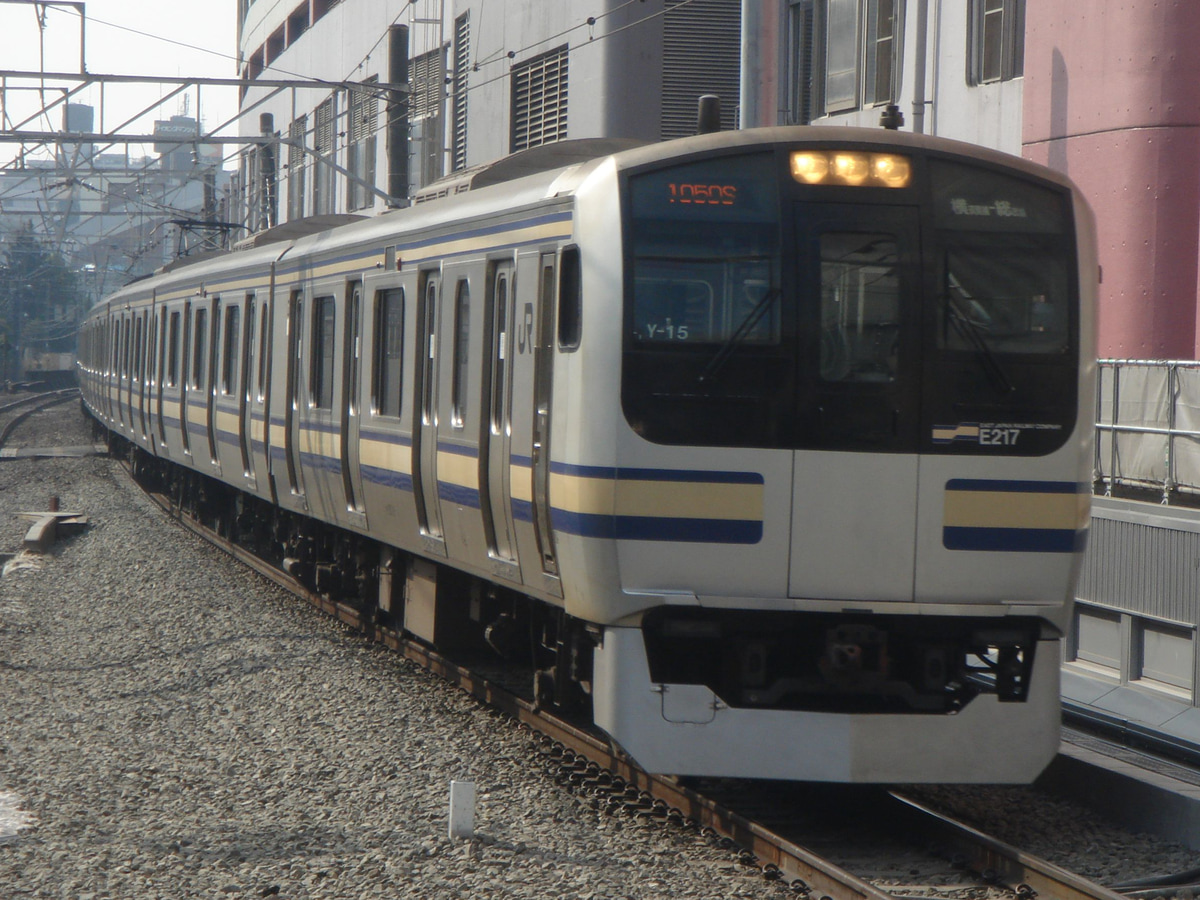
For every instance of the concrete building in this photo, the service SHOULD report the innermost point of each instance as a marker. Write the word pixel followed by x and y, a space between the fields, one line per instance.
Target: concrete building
pixel 487 78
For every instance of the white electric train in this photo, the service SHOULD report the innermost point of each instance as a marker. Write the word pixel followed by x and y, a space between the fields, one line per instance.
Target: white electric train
pixel 769 448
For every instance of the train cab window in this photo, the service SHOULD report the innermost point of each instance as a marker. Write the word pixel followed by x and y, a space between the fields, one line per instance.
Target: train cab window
pixel 199 348
pixel 860 307
pixel 1004 263
pixel 321 382
pixel 462 340
pixel 229 350
pixel 704 354
pixel 173 350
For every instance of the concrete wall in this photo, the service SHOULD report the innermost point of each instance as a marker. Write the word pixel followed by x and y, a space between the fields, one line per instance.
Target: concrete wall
pixel 1114 101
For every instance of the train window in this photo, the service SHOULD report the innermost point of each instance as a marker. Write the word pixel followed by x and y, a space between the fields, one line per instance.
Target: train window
pixel 229 349
pixel 860 307
pixel 173 351
pixel 248 347
pixel 127 348
pixel 199 347
pixel 570 300
pixel 324 310
pixel 462 339
pixel 137 349
pixel 389 344
pixel 353 354
pixel 1005 262
pixel 264 333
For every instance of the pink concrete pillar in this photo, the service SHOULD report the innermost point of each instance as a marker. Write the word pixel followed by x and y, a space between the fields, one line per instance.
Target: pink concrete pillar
pixel 1112 98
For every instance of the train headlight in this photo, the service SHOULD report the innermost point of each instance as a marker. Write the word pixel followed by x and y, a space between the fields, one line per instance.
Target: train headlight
pixel 851 169
pixel 891 170
pixel 811 168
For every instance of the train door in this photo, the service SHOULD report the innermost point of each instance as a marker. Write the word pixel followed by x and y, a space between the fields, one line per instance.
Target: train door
pixel 185 374
pixel 260 394
pixel 141 370
pixel 351 379
pixel 496 441
pixel 855 492
pixel 245 389
pixel 210 417
pixel 543 380
pixel 161 373
pixel 424 444
pixel 291 404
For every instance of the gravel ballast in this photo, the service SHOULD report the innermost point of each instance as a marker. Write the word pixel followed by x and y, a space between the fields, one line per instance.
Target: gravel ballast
pixel 175 726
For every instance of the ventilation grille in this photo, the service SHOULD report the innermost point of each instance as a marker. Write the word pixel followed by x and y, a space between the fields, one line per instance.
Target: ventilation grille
pixel 428 76
pixel 701 55
pixel 540 100
pixel 462 64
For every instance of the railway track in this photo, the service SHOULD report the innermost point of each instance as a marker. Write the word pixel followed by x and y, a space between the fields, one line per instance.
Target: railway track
pixel 770 825
pixel 14 412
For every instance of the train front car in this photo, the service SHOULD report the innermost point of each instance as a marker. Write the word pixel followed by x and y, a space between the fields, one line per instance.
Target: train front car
pixel 848 485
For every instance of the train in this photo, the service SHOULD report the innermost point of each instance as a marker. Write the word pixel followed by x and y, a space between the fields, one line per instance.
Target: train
pixel 768 452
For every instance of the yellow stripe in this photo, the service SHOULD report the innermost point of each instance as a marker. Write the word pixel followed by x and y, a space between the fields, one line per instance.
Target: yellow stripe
pixel 520 482
pixel 657 499
pixel 1002 509
pixel 384 455
pixel 457 469
pixel 544 231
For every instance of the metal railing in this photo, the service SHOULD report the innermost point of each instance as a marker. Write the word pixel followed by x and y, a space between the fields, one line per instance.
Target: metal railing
pixel 1148 426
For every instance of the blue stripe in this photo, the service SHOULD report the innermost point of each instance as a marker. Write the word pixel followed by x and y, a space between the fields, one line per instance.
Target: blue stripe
pixel 1014 540
pixel 485 230
pixel 458 494
pixel 319 461
pixel 676 475
pixel 387 478
pixel 522 510
pixel 654 528
pixel 1018 487
pixel 455 449
pixel 386 437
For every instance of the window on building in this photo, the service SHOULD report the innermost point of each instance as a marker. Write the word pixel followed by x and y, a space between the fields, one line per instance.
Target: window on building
pixel 427 78
pixel 389 346
pixel 324 310
pixel 539 100
pixel 360 152
pixel 716 25
pixel 297 135
pixel 325 146
pixel 462 67
pixel 861 52
pixel 996 40
pixel 799 72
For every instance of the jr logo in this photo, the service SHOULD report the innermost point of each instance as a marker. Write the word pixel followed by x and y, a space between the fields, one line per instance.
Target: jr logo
pixel 525 332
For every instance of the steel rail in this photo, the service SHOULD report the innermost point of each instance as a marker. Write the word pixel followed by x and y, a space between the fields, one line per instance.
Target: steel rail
pixel 39 402
pixel 996 862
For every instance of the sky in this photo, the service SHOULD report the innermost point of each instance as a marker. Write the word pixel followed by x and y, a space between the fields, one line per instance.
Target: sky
pixel 173 38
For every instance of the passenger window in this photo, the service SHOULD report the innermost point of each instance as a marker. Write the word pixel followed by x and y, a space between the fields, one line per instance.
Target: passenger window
pixel 198 348
pixel 389 344
pixel 324 310
pixel 229 353
pixel 173 351
pixel 462 335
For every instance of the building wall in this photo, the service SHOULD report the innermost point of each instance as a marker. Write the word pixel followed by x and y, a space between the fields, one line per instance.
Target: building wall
pixel 615 70
pixel 1117 107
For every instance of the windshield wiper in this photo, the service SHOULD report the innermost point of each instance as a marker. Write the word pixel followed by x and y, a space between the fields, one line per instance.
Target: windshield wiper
pixel 968 329
pixel 752 318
